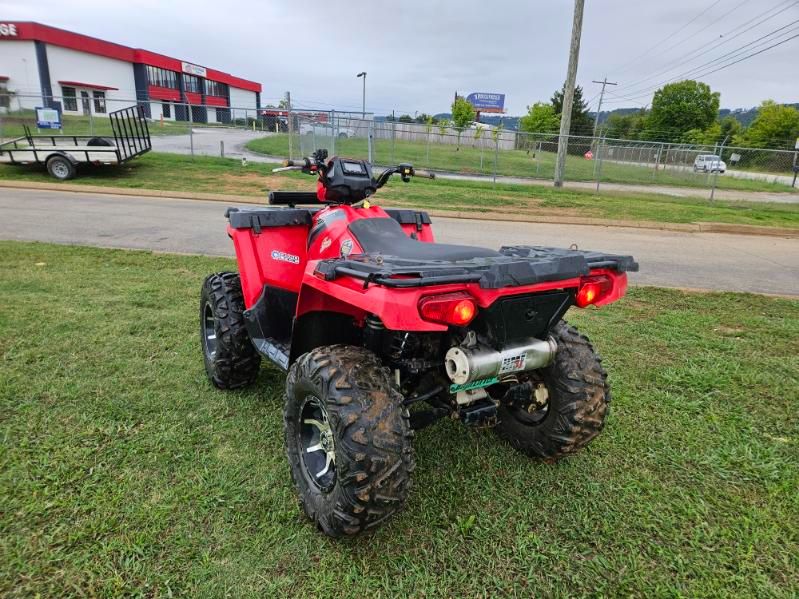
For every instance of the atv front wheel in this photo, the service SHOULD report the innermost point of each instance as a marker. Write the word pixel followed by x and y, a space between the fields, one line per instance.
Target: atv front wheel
pixel 348 439
pixel 231 361
pixel 568 406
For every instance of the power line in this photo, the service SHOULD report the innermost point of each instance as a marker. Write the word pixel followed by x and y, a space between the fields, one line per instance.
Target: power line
pixel 625 66
pixel 698 71
pixel 748 56
pixel 716 43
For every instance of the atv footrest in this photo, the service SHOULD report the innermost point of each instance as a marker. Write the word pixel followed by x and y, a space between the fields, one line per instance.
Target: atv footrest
pixel 273 350
pixel 480 413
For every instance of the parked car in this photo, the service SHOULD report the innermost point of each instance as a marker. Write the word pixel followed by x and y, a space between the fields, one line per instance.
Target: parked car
pixel 708 163
pixel 326 129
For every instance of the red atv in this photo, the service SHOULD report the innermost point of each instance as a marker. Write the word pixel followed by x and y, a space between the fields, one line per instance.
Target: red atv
pixel 369 317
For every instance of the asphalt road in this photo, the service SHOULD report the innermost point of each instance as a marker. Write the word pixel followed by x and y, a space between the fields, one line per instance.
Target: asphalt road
pixel 667 258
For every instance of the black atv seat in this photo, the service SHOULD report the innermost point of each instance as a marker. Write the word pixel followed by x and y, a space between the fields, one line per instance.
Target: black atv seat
pixel 385 236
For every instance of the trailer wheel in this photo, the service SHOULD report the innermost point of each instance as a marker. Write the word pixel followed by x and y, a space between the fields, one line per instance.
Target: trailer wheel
pixel 99 141
pixel 60 167
pixel 231 361
pixel 348 439
pixel 570 403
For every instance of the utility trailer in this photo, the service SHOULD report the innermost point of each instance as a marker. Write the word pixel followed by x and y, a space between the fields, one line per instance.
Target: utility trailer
pixel 62 154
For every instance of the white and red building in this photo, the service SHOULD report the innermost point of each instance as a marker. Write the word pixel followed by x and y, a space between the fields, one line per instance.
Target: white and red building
pixel 45 66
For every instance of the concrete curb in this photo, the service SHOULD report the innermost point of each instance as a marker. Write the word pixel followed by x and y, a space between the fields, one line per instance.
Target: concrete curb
pixel 699 227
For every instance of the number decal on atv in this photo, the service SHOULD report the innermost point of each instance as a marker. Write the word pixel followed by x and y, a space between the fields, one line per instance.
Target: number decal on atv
pixel 325 244
pixel 284 257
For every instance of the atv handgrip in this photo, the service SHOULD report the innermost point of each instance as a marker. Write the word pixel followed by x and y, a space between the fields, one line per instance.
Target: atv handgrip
pixel 417 172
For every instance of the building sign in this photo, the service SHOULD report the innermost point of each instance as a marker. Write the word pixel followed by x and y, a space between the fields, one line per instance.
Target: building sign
pixel 8 30
pixel 487 102
pixel 193 69
pixel 47 118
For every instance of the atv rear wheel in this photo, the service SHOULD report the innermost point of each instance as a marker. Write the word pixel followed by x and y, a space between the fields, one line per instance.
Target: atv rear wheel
pixel 348 439
pixel 231 361
pixel 569 406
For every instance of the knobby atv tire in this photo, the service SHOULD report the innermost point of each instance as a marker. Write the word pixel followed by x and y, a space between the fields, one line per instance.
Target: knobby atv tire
pixel 235 363
pixel 372 438
pixel 578 402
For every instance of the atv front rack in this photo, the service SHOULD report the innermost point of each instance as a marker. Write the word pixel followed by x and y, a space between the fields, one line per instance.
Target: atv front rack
pixel 517 266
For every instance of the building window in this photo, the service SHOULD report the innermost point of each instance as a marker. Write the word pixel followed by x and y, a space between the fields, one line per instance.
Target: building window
pixel 5 98
pixel 166 111
pixel 162 77
pixel 70 98
pixel 215 88
pixel 99 102
pixel 192 84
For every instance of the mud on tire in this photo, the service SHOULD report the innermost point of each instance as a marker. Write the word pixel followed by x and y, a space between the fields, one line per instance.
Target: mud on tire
pixel 578 402
pixel 371 437
pixel 231 361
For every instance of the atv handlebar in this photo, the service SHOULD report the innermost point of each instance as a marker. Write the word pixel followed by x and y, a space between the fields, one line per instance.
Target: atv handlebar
pixel 417 172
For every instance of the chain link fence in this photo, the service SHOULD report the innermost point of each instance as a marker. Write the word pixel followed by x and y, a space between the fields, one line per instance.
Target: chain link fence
pixel 479 152
pixel 499 154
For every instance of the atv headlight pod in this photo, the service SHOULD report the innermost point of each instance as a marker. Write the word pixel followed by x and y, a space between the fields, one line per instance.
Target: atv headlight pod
pixel 458 309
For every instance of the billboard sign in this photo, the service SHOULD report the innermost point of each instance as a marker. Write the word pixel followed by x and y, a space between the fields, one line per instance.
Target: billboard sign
pixel 487 102
pixel 47 118
pixel 193 69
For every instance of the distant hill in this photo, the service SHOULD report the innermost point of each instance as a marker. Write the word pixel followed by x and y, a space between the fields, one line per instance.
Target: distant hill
pixel 745 116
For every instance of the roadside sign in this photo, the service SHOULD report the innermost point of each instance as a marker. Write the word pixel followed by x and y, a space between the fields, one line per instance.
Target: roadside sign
pixel 48 118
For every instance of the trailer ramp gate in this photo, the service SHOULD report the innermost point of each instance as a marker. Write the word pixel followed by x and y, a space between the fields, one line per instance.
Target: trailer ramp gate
pixel 131 133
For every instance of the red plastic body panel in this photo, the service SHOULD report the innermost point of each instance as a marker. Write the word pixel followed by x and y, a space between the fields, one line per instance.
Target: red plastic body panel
pixel 276 256
pixel 283 257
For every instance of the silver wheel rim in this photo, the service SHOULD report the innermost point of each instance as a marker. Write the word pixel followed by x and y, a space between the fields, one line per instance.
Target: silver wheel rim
pixel 317 444
pixel 60 169
pixel 209 332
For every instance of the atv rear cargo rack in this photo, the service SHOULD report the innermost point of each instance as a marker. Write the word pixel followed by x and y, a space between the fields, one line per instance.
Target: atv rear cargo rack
pixel 517 266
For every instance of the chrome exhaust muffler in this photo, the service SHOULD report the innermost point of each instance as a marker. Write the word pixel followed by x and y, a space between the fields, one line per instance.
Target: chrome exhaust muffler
pixel 468 364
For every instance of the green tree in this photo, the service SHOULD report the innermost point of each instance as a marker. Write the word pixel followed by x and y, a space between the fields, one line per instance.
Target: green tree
pixel 462 115
pixel 626 126
pixel 680 107
pixel 582 123
pixel 424 117
pixel 775 126
pixel 406 118
pixel 540 118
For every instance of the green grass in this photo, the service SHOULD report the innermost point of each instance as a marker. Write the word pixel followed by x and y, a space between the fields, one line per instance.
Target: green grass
pixel 517 163
pixel 173 172
pixel 123 472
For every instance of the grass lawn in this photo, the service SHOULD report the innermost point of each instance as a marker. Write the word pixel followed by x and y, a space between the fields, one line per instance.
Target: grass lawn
pixel 174 172
pixel 517 163
pixel 125 473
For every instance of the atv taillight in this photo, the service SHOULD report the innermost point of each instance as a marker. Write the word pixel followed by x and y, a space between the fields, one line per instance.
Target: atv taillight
pixel 456 309
pixel 592 289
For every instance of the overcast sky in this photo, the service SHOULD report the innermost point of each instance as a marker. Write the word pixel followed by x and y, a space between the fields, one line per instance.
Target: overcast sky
pixel 417 53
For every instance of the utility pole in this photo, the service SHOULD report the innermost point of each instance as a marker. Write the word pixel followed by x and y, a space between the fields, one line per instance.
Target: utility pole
pixel 604 82
pixel 363 99
pixel 568 92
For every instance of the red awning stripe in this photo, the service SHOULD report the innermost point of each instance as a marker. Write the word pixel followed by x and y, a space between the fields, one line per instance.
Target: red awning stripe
pixel 3 77
pixel 89 85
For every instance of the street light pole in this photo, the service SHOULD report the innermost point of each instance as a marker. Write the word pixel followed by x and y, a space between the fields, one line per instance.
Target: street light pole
pixel 363 104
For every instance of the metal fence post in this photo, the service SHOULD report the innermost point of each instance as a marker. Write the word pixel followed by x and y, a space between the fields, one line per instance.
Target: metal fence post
pixel 222 148
pixel 716 172
pixel 370 133
pixel 393 139
pixel 496 156
pixel 599 147
pixel 657 162
pixel 191 129
pixel 333 132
